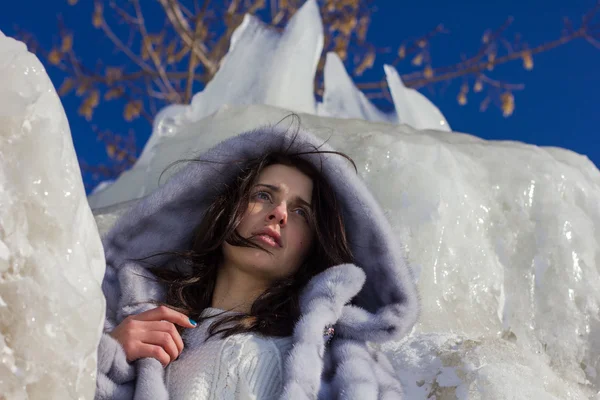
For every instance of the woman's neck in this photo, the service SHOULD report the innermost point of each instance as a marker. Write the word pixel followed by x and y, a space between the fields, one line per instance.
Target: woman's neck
pixel 235 290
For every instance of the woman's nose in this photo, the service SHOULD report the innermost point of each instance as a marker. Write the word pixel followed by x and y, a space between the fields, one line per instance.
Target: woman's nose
pixel 279 212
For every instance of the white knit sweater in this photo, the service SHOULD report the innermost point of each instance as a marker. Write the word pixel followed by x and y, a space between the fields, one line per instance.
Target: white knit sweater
pixel 240 367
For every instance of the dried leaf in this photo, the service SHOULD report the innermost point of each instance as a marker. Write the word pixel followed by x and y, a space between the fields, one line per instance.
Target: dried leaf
pixel 347 26
pixel 86 110
pixel 418 60
pixel 121 155
pixel 113 93
pixel 82 88
pixel 462 98
pixel 67 43
pixel 97 18
pixel 72 2
pixel 527 61
pixel 422 43
pixel 93 99
pixel 113 74
pixel 508 104
pixel 54 57
pixel 486 37
pixel 132 110
pixel 478 86
pixel 66 86
pixel 428 72
pixel 491 59
pixel 110 150
pixel 341 47
pixel 366 63
pixel 402 52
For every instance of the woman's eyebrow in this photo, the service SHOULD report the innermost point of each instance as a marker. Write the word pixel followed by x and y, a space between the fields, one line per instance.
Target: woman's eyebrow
pixel 277 189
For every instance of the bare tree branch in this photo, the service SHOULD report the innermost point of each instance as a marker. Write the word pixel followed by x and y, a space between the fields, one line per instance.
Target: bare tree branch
pixel 182 28
pixel 192 43
pixel 153 55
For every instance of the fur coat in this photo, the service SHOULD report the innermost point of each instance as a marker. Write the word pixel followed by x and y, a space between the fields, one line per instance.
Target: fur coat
pixel 380 282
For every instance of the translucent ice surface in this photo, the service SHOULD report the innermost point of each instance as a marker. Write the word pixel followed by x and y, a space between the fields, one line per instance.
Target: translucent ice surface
pixel 412 107
pixel 51 258
pixel 502 236
pixel 342 99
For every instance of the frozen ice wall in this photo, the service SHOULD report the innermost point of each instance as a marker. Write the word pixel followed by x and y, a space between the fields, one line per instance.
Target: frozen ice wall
pixel 51 258
pixel 502 237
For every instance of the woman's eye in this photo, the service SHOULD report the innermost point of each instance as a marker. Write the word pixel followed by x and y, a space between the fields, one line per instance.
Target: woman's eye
pixel 304 212
pixel 267 197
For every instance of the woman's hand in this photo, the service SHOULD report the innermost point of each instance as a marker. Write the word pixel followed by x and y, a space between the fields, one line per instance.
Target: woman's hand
pixel 152 334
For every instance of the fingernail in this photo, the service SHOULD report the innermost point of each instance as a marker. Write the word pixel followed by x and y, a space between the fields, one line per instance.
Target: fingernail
pixel 193 322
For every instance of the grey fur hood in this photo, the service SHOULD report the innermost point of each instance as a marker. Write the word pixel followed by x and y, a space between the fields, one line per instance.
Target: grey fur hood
pixel 380 282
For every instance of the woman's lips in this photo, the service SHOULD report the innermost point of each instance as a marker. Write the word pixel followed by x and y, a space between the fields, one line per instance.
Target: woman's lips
pixel 268 240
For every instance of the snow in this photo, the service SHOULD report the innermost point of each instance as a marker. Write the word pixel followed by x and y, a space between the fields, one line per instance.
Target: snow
pixel 51 258
pixel 502 235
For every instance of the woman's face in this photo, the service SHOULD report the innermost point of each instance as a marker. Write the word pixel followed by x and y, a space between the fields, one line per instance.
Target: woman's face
pixel 280 202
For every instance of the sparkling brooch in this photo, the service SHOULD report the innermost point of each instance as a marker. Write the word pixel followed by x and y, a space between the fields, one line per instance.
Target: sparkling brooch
pixel 328 334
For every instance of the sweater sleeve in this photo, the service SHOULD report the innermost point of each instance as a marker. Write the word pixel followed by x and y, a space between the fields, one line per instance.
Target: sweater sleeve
pixel 115 375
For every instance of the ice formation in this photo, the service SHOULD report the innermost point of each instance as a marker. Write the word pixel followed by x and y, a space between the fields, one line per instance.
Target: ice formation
pixel 278 69
pixel 502 235
pixel 51 258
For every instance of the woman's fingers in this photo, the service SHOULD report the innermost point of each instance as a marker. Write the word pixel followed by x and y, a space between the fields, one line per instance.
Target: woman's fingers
pixel 152 334
pixel 162 339
pixel 148 350
pixel 163 313
pixel 168 327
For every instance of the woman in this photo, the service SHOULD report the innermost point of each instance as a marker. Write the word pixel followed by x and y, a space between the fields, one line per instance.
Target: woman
pixel 328 262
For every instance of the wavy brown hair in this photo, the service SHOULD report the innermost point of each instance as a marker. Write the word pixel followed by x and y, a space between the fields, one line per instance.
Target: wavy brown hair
pixel 276 311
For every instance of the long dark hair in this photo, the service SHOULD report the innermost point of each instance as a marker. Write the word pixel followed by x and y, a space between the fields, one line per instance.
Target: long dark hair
pixel 276 311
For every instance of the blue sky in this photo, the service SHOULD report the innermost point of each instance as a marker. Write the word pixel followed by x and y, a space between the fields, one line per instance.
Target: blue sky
pixel 559 106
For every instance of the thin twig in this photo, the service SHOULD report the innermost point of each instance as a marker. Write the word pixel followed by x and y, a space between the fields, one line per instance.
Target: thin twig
pixel 593 42
pixel 192 62
pixel 153 55
pixel 125 49
pixel 492 39
pixel 476 68
pixel 500 84
pixel 180 27
pixel 123 14
pixel 414 47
